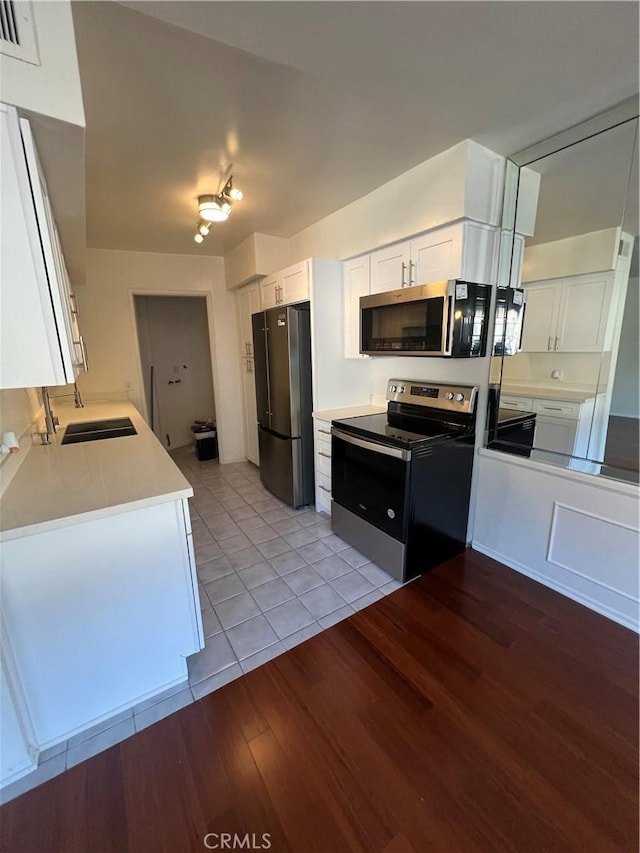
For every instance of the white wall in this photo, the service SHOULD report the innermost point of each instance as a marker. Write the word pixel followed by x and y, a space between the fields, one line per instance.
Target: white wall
pixel 625 401
pixel 573 532
pixel 52 87
pixel 108 325
pixel 465 180
pixel 19 411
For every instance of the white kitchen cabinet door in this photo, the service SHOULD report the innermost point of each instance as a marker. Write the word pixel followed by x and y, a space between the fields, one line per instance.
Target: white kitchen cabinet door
pixel 355 284
pixel 436 256
pixel 295 284
pixel 555 434
pixel 269 290
pixel 89 643
pixel 390 267
pixel 582 313
pixel 39 340
pixel 540 320
pixel 250 410
pixel 248 304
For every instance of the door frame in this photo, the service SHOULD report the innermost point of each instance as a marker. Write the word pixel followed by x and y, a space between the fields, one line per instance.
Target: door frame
pixel 199 294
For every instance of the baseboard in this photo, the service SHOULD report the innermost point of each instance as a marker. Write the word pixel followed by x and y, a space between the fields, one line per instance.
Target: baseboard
pixel 592 604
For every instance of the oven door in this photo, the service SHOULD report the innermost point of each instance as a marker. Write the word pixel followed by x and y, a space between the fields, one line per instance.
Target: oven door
pixel 371 480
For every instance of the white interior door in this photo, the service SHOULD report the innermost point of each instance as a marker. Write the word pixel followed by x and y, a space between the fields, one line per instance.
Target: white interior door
pixel 174 339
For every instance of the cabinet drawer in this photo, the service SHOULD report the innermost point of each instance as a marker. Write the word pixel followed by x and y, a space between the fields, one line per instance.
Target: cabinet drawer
pixel 324 484
pixel 323 463
pixel 520 404
pixel 323 443
pixel 557 408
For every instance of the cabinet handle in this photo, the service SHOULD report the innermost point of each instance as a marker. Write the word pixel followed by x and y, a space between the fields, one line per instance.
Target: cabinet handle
pixel 412 278
pixel 83 349
pixel 552 408
pixel 250 350
pixel 404 269
pixel 555 346
pixel 74 304
pixel 324 431
pixel 326 455
pixel 249 366
pixel 324 488
pixel 549 343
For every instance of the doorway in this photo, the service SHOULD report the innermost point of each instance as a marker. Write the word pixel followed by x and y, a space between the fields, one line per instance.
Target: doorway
pixel 175 356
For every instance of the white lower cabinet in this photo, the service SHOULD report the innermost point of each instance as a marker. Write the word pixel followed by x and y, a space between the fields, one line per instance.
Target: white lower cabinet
pixel 562 426
pixel 322 451
pixel 100 615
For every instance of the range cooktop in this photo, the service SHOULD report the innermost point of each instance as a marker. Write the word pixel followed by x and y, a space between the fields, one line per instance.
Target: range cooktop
pixel 396 431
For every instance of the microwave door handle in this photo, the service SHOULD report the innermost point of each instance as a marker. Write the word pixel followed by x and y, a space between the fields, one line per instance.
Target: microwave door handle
pixel 447 323
pixel 522 313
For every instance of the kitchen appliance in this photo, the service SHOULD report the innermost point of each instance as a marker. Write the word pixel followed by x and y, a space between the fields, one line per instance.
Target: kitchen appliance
pixel 509 324
pixel 401 480
pixel 510 431
pixel 446 318
pixel 282 358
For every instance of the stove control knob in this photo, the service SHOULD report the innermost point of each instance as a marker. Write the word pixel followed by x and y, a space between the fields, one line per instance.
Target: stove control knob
pixel 449 395
pixel 401 389
pixel 393 388
pixel 459 398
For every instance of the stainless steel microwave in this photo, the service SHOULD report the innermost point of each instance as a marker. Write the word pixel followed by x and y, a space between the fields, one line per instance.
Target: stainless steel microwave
pixel 445 318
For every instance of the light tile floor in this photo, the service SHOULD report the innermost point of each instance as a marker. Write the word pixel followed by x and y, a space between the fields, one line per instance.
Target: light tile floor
pixel 270 577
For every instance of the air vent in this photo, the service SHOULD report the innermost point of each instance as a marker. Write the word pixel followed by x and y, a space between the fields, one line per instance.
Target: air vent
pixel 17 31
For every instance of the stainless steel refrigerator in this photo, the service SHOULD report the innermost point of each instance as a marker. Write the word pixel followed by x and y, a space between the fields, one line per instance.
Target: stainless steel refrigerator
pixel 282 358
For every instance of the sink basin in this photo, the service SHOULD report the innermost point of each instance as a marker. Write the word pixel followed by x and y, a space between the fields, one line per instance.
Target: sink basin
pixel 98 430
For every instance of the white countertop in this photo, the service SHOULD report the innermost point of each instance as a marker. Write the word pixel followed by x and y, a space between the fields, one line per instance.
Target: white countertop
pixel 58 485
pixel 545 392
pixel 350 412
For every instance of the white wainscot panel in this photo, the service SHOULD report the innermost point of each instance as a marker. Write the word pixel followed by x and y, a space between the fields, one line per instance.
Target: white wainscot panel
pixel 573 532
pixel 594 547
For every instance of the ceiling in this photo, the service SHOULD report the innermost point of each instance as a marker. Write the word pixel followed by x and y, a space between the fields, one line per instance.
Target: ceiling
pixel 317 103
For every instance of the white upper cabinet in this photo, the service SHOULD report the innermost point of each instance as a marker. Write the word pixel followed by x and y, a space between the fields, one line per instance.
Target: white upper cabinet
pixel 295 283
pixel 286 286
pixel 248 304
pixel 466 250
pixel 40 343
pixel 269 290
pixel 434 255
pixel 355 277
pixel 567 315
pixel 390 267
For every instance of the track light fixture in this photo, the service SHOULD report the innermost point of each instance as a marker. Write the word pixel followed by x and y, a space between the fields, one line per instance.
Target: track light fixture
pixel 216 208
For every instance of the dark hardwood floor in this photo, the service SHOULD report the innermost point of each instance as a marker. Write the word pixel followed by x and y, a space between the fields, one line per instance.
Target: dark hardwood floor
pixel 473 710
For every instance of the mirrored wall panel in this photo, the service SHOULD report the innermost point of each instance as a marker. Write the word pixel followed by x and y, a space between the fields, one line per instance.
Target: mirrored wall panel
pixel 565 355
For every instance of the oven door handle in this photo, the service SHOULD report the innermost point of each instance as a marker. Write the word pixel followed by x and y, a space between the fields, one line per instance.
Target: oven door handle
pixel 396 452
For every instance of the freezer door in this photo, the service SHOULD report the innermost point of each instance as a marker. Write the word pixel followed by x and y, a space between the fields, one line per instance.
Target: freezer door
pixel 281 466
pixel 280 356
pixel 260 361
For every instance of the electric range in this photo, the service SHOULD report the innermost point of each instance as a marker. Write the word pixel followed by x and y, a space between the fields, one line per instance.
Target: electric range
pixel 401 480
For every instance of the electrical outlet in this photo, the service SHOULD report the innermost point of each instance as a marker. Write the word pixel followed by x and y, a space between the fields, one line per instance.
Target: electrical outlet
pixel 556 374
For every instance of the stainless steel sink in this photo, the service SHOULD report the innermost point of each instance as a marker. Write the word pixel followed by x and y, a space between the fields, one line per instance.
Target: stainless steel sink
pixel 98 430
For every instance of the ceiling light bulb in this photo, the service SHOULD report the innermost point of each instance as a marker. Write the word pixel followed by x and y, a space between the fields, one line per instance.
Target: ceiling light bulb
pixel 235 195
pixel 199 238
pixel 204 228
pixel 212 208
